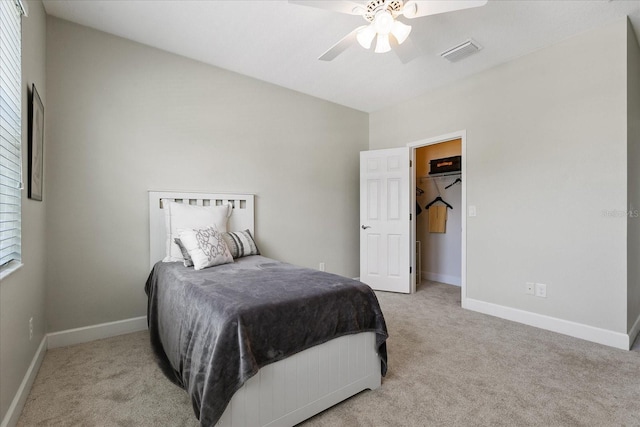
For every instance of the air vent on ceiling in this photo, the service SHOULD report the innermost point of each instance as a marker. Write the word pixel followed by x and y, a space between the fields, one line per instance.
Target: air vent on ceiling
pixel 461 51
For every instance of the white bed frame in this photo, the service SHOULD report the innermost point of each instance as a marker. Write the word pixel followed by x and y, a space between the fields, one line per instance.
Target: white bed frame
pixel 292 390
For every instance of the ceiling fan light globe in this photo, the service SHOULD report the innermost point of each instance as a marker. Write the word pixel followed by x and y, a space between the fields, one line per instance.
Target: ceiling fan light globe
pixel 383 23
pixel 400 31
pixel 382 43
pixel 365 36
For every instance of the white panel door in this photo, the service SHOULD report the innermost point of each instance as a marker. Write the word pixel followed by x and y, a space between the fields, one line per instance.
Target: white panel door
pixel 385 226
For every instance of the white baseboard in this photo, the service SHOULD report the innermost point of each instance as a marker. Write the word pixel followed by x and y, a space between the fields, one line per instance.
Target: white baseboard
pixel 96 332
pixel 13 414
pixel 566 327
pixel 633 333
pixel 442 278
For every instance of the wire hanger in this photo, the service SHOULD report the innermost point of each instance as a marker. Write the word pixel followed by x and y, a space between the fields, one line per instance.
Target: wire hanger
pixel 419 191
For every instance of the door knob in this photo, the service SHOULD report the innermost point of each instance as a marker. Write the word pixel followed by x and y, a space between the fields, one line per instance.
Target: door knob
pixel 364 227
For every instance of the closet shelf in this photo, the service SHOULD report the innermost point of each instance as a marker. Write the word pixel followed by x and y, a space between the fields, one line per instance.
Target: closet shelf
pixel 440 176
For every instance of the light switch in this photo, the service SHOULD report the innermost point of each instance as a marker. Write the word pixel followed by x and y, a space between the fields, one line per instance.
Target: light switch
pixel 472 210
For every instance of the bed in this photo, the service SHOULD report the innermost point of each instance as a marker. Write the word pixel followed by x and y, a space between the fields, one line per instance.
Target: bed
pixel 249 371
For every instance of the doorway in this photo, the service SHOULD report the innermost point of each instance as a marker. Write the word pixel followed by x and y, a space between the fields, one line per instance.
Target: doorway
pixel 440 247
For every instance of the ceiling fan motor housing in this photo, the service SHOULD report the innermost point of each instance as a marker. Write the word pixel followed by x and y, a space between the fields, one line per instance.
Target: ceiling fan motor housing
pixel 375 6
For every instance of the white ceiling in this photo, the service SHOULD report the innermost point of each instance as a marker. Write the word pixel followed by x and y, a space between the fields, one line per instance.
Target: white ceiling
pixel 279 42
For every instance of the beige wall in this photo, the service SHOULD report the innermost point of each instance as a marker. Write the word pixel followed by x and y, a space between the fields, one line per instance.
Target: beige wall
pixel 546 155
pixel 633 164
pixel 126 118
pixel 22 294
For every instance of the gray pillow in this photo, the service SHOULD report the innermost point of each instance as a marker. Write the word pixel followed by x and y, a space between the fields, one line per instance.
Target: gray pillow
pixel 185 254
pixel 240 243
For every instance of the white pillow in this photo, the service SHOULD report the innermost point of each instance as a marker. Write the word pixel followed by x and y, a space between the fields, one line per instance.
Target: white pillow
pixel 185 216
pixel 206 247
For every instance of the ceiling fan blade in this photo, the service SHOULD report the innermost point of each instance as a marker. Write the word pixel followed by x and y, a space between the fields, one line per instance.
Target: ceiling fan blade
pixel 406 51
pixel 342 6
pixel 341 46
pixel 416 9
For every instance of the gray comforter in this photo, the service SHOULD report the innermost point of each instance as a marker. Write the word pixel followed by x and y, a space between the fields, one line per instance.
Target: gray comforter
pixel 212 330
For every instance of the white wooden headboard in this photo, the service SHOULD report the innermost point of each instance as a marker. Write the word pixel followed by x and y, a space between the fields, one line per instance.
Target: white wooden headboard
pixel 242 217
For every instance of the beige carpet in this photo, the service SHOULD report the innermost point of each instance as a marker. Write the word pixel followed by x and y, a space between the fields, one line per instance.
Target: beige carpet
pixel 447 366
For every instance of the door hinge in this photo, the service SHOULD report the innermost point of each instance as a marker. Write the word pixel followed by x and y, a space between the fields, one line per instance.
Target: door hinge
pixel 410 163
pixel 410 270
pixel 410 217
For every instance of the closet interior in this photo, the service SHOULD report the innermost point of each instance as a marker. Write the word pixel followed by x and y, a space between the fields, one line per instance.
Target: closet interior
pixel 439 212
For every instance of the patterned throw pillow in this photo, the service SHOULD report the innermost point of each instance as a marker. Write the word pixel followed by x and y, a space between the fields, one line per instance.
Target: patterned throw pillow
pixel 240 243
pixel 206 247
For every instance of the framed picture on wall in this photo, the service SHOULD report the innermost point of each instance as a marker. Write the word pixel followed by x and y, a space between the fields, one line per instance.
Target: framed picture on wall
pixel 36 145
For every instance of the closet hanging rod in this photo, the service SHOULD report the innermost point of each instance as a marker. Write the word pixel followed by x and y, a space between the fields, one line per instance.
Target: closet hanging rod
pixel 439 176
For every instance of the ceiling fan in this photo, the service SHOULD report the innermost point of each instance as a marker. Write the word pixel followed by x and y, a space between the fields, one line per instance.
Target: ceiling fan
pixel 383 24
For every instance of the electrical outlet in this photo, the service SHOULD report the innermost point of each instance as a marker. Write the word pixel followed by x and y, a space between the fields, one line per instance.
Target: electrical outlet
pixel 321 268
pixel 541 290
pixel 529 288
pixel 30 329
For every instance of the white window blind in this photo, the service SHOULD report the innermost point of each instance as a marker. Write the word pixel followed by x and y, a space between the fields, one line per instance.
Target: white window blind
pixel 10 130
